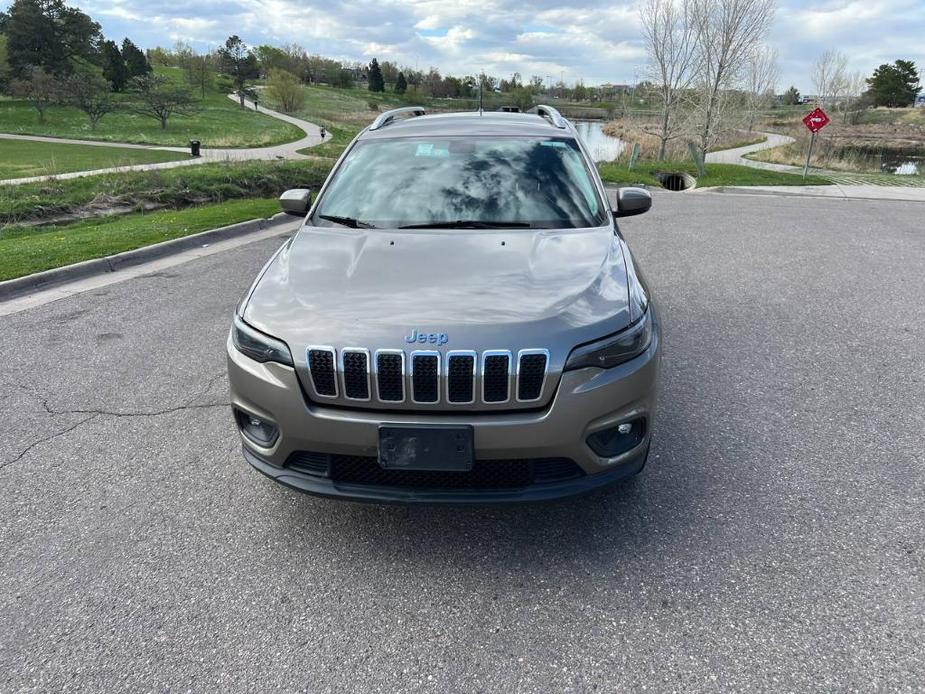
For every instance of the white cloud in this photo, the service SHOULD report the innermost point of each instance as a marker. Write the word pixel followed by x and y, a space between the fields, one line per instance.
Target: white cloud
pixel 594 40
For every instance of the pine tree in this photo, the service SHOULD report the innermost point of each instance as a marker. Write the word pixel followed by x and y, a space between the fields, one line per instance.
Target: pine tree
pixel 894 85
pixel 135 61
pixel 401 85
pixel 376 83
pixel 114 68
pixel 791 96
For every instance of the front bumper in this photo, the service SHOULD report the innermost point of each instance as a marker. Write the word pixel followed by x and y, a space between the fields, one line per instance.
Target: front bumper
pixel 586 401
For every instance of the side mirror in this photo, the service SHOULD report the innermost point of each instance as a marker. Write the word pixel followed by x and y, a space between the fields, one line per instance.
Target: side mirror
pixel 632 201
pixel 296 201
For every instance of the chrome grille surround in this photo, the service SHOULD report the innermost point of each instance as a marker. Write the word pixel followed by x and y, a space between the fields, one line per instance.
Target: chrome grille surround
pixel 397 377
pixel 522 378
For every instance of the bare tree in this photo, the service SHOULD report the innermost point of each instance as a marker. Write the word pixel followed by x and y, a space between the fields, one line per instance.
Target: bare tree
pixel 830 76
pixel 39 88
pixel 90 92
pixel 761 76
pixel 855 85
pixel 670 42
pixel 727 33
pixel 159 98
pixel 201 72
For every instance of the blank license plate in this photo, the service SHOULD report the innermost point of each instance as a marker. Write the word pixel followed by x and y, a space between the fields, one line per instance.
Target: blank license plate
pixel 426 448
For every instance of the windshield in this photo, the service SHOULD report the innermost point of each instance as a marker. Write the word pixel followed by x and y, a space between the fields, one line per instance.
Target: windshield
pixel 466 182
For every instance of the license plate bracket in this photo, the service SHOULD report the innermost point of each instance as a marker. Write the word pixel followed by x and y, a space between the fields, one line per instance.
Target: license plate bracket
pixel 439 448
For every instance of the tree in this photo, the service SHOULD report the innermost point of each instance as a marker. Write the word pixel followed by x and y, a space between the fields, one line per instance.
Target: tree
pixel 160 98
pixel 238 62
pixel 854 91
pixel 40 88
pixel 761 80
pixel 670 43
pixel 376 83
pixel 401 85
pixel 136 64
pixel 727 33
pixel 286 91
pixel 114 68
pixel 48 34
pixel 792 96
pixel 4 63
pixel 89 91
pixel 200 73
pixel 830 77
pixel 894 85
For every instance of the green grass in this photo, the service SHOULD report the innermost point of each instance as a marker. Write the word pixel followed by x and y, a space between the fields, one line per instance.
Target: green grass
pixel 177 188
pixel 20 158
pixel 218 122
pixel 24 250
pixel 716 175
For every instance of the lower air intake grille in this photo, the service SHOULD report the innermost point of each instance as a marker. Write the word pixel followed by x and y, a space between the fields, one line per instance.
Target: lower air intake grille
pixel 496 379
pixel 390 375
pixel 485 474
pixel 321 366
pixel 530 376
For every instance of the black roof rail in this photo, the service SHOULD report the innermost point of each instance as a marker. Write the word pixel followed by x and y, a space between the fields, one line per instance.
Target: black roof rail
pixel 383 119
pixel 551 114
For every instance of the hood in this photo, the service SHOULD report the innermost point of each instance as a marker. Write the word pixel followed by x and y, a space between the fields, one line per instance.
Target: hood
pixel 472 289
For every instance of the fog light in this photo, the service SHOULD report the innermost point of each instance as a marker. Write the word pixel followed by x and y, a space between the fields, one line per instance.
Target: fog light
pixel 616 440
pixel 256 429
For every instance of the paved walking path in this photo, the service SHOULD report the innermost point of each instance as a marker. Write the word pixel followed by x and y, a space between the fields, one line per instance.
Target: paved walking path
pixel 737 154
pixel 288 150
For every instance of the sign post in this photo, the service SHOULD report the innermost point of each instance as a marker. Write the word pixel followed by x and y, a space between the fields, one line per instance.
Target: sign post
pixel 815 121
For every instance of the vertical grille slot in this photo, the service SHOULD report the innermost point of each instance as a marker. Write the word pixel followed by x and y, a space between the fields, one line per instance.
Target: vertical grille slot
pixel 390 376
pixel 531 372
pixel 460 378
pixel 425 375
pixel 496 376
pixel 321 367
pixel 356 374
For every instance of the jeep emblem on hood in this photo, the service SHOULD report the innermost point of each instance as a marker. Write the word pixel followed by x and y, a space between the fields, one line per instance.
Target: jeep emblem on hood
pixel 423 338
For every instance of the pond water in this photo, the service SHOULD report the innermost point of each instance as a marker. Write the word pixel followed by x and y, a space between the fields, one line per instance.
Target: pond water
pixel 902 164
pixel 602 147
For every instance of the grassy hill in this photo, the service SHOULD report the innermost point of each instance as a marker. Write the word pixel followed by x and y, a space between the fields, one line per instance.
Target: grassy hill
pixel 217 122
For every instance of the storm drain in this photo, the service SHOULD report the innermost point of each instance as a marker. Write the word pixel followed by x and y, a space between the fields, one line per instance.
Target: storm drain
pixel 676 180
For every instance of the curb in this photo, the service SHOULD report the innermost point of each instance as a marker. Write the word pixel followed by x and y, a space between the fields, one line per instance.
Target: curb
pixel 11 289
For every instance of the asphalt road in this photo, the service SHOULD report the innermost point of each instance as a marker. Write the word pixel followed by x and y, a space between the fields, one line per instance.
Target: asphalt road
pixel 774 542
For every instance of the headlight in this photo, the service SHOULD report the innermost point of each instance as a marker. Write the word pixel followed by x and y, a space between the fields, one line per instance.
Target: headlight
pixel 616 349
pixel 258 346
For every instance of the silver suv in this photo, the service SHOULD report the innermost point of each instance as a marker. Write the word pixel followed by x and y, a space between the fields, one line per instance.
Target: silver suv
pixel 458 320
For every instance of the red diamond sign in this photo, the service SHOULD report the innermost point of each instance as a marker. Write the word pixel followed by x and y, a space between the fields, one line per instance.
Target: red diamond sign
pixel 816 120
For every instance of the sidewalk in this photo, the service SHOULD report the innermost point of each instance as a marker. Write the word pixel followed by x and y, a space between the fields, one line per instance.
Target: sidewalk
pixel 855 192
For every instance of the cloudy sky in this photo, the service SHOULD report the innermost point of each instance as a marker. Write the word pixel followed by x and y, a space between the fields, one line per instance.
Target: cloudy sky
pixel 594 40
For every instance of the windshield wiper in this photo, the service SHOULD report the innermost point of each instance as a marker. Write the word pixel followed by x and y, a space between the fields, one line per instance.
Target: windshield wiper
pixel 346 221
pixel 469 224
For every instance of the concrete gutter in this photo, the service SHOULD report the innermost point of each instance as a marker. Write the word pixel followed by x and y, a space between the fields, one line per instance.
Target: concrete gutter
pixel 39 281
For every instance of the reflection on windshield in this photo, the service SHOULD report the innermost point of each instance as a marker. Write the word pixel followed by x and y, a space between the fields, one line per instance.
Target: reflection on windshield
pixel 412 181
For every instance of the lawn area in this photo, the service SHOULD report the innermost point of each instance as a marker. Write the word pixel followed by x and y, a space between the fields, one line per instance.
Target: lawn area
pixel 21 158
pixel 24 250
pixel 175 188
pixel 717 175
pixel 217 122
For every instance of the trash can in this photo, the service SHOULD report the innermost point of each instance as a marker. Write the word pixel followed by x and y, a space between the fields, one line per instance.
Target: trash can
pixel 194 148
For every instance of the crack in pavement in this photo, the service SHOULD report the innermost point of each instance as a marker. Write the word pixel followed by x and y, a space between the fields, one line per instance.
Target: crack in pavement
pixel 95 412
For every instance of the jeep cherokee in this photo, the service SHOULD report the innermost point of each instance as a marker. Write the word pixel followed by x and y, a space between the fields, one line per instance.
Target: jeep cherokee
pixel 458 319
